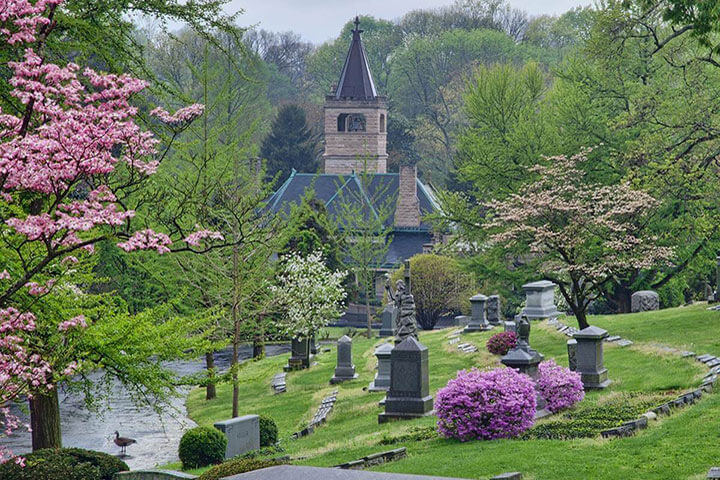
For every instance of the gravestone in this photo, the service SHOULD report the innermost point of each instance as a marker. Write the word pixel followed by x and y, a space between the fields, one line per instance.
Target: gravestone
pixel 478 322
pixel 409 394
pixel 493 310
pixel 313 346
pixel 644 301
pixel 461 321
pixel 590 357
pixel 300 354
pixel 522 357
pixel 526 360
pixel 345 369
pixel 243 434
pixel 389 321
pixel 382 377
pixel 540 300
pixel 511 325
pixel 572 354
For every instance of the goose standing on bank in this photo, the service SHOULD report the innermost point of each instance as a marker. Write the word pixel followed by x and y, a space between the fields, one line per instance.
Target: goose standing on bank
pixel 123 442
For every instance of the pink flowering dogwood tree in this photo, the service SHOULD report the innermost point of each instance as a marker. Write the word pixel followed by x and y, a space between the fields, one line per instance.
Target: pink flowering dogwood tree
pixel 579 234
pixel 71 154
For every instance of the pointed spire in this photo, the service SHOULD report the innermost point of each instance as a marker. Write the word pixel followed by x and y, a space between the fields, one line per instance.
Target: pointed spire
pixel 356 81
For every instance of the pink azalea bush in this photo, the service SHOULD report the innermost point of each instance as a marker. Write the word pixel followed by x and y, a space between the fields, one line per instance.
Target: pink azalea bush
pixel 501 343
pixel 498 403
pixel 559 386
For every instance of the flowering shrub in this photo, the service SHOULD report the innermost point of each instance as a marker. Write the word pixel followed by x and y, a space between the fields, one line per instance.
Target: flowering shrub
pixel 308 293
pixel 501 343
pixel 559 386
pixel 493 404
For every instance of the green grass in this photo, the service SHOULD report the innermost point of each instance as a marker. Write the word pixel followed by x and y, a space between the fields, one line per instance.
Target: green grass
pixel 683 445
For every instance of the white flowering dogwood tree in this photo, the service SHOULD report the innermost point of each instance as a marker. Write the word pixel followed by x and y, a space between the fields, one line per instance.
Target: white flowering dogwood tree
pixel 309 295
pixel 579 234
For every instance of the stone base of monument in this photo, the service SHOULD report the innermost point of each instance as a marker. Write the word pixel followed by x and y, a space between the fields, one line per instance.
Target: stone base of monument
pixel 478 328
pixel 595 381
pixel 339 379
pixel 389 416
pixel 377 388
pixel 542 413
pixel 297 364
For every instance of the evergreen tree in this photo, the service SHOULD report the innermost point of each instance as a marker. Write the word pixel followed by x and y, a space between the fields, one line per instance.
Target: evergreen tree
pixel 290 144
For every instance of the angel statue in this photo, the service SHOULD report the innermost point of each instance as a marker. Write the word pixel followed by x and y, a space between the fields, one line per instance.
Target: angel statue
pixel 405 305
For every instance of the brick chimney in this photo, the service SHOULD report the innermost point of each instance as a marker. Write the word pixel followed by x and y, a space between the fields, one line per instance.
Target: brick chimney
pixel 407 212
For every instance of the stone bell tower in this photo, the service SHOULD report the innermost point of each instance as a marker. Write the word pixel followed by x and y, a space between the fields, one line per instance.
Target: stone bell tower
pixel 355 117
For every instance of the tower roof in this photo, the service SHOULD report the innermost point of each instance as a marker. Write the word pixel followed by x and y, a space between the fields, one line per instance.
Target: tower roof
pixel 356 81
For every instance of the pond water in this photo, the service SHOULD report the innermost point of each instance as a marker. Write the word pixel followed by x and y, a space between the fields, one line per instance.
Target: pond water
pixel 157 436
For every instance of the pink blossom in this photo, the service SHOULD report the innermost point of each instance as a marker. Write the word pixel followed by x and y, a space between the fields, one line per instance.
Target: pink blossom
pixel 559 386
pixel 78 321
pixel 4 275
pixel 184 115
pixel 147 240
pixel 195 238
pixel 485 405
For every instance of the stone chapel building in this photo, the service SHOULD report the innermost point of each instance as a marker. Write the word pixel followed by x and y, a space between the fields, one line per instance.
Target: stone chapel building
pixel 355 130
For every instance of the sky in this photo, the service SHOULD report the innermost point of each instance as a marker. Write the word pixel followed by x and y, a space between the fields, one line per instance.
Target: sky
pixel 320 20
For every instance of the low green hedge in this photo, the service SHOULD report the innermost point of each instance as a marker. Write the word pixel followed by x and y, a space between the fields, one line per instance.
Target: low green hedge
pixel 64 464
pixel 237 466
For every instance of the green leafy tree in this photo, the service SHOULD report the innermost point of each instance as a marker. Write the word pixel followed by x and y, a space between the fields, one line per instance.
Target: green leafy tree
pixel 290 144
pixel 507 128
pixel 364 215
pixel 311 230
pixel 439 287
pixel 426 83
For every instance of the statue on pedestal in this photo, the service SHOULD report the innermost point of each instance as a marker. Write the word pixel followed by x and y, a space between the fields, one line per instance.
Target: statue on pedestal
pixel 405 305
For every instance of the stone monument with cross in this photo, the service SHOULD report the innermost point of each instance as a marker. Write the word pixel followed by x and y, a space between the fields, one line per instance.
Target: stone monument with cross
pixel 404 306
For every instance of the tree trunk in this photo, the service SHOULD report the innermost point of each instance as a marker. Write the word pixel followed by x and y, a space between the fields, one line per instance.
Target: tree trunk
pixel 258 346
pixel 210 391
pixel 621 298
pixel 367 313
pixel 236 386
pixel 236 333
pixel 581 317
pixel 45 420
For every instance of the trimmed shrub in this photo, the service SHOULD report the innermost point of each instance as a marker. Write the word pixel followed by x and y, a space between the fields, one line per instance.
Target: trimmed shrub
pixel 439 286
pixel 268 431
pixel 202 446
pixel 64 464
pixel 237 466
pixel 559 386
pixel 588 420
pixel 498 403
pixel 501 343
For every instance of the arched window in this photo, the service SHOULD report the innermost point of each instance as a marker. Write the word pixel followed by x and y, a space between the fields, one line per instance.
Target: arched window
pixel 342 122
pixel 382 123
pixel 351 122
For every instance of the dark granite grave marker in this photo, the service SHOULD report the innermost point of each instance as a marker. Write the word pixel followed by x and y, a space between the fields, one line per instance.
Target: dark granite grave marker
pixel 345 369
pixel 590 357
pixel 409 394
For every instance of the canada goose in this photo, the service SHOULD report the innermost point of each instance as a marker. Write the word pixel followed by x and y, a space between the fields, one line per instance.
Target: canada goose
pixel 123 442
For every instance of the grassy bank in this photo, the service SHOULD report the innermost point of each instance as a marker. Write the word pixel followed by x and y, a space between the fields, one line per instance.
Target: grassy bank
pixel 680 446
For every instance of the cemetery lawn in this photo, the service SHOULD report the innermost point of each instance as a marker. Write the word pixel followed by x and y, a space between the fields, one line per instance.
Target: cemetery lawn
pixel 683 445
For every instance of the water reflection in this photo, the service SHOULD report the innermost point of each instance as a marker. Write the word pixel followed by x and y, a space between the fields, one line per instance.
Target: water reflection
pixel 157 435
